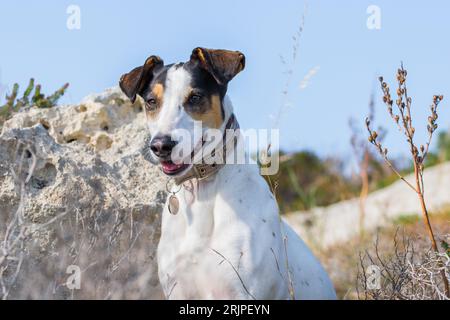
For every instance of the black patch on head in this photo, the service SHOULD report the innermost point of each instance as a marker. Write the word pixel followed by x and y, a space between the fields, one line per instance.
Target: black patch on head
pixel 159 78
pixel 204 80
pixel 220 65
pixel 204 83
pixel 178 65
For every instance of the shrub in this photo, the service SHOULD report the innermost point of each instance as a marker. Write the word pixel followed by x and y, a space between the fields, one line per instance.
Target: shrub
pixel 29 99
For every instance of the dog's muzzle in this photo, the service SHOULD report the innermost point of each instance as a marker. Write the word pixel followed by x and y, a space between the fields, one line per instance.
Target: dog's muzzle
pixel 162 148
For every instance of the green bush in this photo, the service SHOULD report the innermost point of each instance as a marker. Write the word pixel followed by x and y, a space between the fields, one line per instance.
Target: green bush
pixel 443 146
pixel 29 99
pixel 305 181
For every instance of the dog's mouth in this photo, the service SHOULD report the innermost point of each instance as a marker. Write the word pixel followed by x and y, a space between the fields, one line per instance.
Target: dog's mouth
pixel 170 168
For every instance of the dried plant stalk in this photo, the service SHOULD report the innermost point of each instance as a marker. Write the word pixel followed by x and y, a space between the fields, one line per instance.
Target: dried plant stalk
pixel 363 157
pixel 403 120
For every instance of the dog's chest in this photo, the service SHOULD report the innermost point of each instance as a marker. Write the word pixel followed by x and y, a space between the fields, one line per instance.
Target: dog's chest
pixel 186 252
pixel 192 225
pixel 229 234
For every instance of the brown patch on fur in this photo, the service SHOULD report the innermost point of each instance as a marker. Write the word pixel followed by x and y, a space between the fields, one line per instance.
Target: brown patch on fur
pixel 212 118
pixel 158 93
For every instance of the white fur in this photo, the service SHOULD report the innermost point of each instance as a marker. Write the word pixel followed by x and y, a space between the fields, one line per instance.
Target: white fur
pixel 172 115
pixel 227 240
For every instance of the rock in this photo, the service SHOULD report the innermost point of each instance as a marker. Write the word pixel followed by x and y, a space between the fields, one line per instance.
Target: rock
pixel 326 226
pixel 90 175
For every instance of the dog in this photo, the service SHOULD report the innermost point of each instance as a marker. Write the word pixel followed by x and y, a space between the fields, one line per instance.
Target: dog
pixel 221 234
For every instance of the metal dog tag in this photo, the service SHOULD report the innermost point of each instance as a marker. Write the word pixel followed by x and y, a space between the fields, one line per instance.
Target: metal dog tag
pixel 174 204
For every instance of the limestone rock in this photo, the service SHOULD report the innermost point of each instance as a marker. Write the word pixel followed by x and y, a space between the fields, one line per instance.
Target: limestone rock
pixel 90 175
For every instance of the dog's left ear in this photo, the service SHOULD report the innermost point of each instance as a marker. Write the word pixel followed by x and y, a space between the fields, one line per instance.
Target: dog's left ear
pixel 135 81
pixel 223 65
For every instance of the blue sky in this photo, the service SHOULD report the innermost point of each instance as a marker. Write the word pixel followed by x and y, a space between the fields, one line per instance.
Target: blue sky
pixel 116 36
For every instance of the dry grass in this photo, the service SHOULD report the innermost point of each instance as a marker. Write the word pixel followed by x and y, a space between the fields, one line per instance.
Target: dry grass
pixel 409 272
pixel 343 261
pixel 114 249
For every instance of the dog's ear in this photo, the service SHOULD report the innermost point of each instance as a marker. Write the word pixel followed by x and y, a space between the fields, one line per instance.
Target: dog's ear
pixel 135 81
pixel 223 65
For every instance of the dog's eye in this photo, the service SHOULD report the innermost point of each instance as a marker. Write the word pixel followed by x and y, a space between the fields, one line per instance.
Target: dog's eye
pixel 195 98
pixel 151 104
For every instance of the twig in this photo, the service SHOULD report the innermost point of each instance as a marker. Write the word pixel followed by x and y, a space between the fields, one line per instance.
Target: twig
pixel 237 273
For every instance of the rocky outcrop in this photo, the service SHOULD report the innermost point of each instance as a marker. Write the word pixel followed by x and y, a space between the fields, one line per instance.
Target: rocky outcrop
pixel 95 198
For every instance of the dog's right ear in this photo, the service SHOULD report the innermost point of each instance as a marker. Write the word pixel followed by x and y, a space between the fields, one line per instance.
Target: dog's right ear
pixel 135 81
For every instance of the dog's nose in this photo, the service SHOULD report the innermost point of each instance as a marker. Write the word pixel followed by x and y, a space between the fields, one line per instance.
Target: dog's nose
pixel 162 146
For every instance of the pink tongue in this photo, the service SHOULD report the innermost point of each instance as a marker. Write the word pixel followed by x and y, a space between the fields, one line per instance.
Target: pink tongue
pixel 170 166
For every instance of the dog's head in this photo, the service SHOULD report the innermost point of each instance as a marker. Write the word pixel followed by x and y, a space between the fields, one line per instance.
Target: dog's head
pixel 179 96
